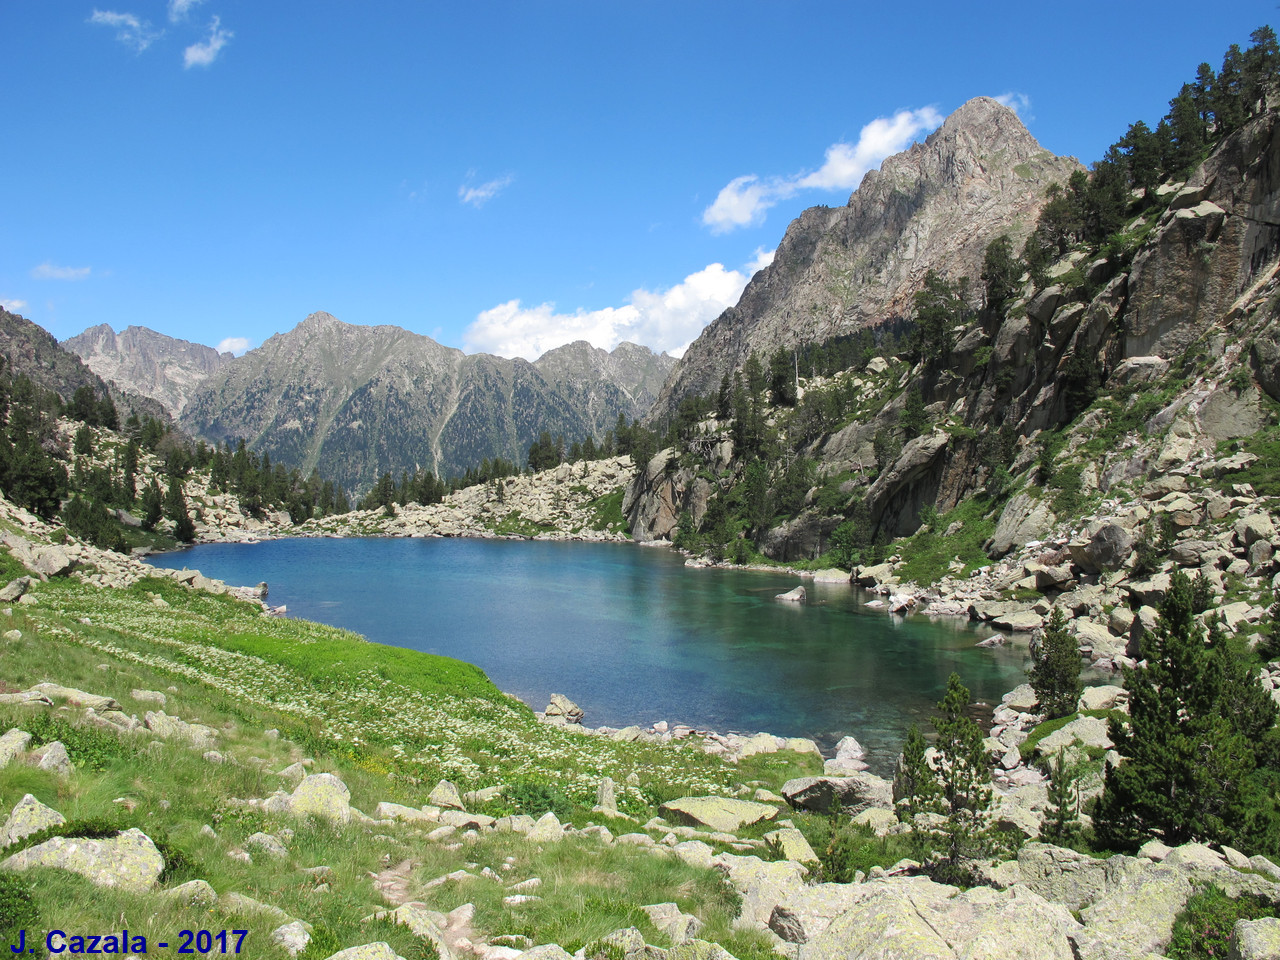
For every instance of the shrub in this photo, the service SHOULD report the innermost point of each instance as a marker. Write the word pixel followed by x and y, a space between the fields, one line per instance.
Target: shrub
pixel 535 798
pixel 18 909
pixel 88 747
pixel 1203 928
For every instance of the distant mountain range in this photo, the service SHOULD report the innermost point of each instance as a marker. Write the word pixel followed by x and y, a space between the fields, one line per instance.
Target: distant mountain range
pixel 354 402
pixel 147 363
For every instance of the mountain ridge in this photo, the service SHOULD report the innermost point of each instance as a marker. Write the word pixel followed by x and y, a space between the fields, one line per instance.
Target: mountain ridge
pixel 146 362
pixel 839 269
pixel 358 401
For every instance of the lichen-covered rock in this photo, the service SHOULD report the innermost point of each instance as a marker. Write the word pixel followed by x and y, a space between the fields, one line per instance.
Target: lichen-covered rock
pixel 854 793
pixel 321 795
pixel 14 589
pixel 239 903
pixel 193 893
pixel 804 915
pixel 380 950
pixel 1062 875
pixel 30 816
pixel 422 922
pixel 1256 939
pixel 292 937
pixel 879 928
pixel 1090 731
pixel 724 814
pixel 11 744
pixel 446 795
pixel 129 861
pixel 1136 916
pixel 547 951
pixel 699 950
pixel 54 758
pixel 76 698
pixel 763 884
pixel 199 735
pixel 547 829
pixel 398 811
pixel 792 844
pixel 668 918
pixel 1107 549
pixel 1023 519
pixel 562 706
pixel 268 844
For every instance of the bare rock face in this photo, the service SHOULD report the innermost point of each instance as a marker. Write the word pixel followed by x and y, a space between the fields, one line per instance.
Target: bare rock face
pixel 1216 234
pixel 147 363
pixel 660 491
pixel 937 205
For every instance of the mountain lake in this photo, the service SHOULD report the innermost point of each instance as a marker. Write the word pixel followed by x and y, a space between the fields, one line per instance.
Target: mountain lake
pixel 631 634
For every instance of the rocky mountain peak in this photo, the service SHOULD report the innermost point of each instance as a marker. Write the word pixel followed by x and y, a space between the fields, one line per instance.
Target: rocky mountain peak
pixel 148 363
pixel 934 206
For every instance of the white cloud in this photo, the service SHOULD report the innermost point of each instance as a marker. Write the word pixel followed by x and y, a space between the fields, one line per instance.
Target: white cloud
pixel 662 320
pixel 132 32
pixel 745 200
pixel 1019 103
pixel 13 304
pixel 51 271
pixel 1014 101
pixel 236 345
pixel 178 9
pixel 479 196
pixel 203 54
pixel 761 260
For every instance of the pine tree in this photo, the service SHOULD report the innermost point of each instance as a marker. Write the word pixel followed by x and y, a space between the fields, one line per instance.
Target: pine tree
pixel 83 442
pixel 1199 724
pixel 1063 821
pixel 175 509
pixel 914 419
pixel 915 784
pixel 152 505
pixel 964 776
pixel 1270 646
pixel 1001 272
pixel 1055 674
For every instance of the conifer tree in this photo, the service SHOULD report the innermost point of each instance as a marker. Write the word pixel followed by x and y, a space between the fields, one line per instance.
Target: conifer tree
pixel 915 783
pixel 964 778
pixel 175 509
pixel 1055 675
pixel 1064 800
pixel 1199 725
pixel 152 505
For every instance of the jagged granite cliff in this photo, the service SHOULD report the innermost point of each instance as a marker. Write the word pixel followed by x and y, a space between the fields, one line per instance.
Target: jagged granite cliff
pixel 932 207
pixel 147 363
pixel 356 401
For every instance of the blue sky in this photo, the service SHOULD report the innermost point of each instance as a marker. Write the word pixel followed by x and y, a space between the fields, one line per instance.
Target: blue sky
pixel 505 176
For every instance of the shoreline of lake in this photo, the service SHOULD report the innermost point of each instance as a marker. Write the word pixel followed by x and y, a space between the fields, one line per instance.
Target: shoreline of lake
pixel 628 633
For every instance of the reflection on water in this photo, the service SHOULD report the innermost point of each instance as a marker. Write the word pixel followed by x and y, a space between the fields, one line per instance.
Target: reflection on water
pixel 631 634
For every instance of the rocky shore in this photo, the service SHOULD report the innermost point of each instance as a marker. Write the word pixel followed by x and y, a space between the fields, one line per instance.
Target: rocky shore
pixel 1090 568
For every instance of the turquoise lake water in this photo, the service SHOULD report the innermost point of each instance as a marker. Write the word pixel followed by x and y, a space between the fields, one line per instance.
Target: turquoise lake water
pixel 630 633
